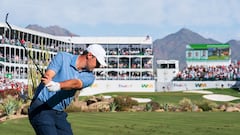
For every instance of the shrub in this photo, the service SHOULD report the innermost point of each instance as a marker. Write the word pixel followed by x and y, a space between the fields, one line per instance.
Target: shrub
pixel 149 107
pixel 168 107
pixel 4 94
pixel 124 103
pixel 10 105
pixel 164 107
pixel 113 106
pixel 185 104
pixel 154 106
pixel 207 105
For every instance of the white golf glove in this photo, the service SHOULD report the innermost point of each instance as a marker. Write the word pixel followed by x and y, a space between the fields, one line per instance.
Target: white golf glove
pixel 53 86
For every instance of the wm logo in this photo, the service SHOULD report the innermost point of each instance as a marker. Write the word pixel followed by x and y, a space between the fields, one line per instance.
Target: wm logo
pixel 200 85
pixel 147 86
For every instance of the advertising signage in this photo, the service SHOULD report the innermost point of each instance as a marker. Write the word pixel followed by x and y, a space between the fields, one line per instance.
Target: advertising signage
pixel 208 52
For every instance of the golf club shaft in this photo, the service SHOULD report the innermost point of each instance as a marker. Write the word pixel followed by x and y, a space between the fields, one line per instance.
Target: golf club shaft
pixel 21 43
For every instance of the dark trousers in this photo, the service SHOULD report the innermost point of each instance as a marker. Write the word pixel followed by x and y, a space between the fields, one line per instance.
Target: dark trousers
pixel 47 121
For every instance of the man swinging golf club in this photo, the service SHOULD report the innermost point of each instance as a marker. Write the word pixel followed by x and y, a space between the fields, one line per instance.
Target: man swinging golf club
pixel 65 74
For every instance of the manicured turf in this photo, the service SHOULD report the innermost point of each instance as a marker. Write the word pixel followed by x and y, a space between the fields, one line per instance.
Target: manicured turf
pixel 140 123
pixel 145 123
pixel 175 97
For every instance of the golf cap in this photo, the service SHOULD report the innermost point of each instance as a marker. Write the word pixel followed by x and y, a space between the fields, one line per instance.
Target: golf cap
pixel 99 52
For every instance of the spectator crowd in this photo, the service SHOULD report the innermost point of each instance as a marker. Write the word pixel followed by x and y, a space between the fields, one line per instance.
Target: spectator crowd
pixel 210 73
pixel 7 84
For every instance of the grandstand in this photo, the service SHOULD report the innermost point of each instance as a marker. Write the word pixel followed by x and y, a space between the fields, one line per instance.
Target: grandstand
pixel 208 66
pixel 130 59
pixel 130 62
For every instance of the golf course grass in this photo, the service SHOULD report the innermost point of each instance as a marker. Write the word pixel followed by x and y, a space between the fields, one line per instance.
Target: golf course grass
pixel 145 123
pixel 140 123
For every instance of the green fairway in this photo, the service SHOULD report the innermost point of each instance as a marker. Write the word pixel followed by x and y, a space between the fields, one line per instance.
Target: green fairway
pixel 175 97
pixel 145 123
pixel 140 123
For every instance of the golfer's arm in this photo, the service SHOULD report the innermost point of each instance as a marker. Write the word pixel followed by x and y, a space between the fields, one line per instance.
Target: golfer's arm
pixel 49 74
pixel 65 85
pixel 71 84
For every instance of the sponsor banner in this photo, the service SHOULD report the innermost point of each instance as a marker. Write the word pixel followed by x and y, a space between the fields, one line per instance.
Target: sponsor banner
pixel 197 85
pixel 104 86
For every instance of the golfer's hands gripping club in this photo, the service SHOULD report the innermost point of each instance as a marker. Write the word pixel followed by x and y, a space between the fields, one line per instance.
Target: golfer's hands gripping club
pixel 53 86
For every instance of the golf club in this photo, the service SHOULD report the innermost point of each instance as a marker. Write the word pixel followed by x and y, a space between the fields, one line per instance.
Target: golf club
pixel 21 43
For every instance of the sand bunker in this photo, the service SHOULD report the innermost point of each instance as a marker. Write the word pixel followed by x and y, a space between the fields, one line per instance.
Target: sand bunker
pixel 142 100
pixel 220 97
pixel 214 97
pixel 139 100
pixel 199 91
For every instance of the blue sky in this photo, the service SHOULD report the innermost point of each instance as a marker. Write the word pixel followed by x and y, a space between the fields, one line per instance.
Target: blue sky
pixel 217 19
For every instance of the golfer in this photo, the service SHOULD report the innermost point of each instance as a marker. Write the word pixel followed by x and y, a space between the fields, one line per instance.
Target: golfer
pixel 65 74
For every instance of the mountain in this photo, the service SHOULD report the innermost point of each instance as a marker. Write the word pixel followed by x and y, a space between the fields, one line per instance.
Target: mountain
pixel 173 46
pixel 235 47
pixel 53 30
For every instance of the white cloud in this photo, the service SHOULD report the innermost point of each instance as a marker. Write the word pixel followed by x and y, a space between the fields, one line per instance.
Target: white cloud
pixel 151 12
pixel 205 12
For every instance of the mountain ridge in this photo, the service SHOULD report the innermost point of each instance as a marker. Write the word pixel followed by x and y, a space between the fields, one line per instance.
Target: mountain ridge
pixel 173 45
pixel 53 30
